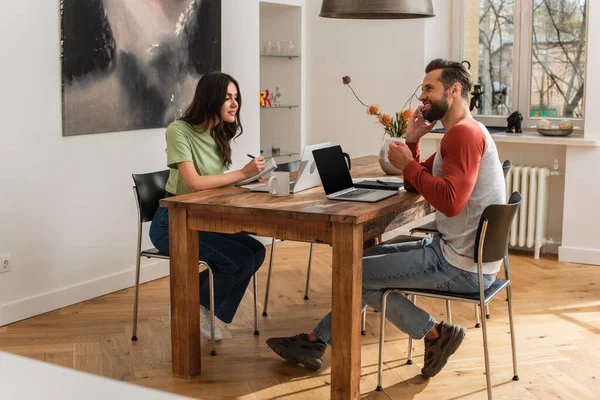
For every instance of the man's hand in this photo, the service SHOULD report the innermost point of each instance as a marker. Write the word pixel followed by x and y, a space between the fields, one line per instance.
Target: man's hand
pixel 400 155
pixel 418 126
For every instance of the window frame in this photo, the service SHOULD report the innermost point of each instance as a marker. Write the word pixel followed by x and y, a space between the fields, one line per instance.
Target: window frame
pixel 522 56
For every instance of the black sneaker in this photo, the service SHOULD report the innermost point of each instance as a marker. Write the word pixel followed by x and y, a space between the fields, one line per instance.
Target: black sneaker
pixel 299 350
pixel 437 352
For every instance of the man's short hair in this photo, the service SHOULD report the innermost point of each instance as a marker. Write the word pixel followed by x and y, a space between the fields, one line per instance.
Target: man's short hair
pixel 452 72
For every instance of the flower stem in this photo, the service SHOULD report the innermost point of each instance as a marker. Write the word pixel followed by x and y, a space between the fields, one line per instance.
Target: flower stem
pixel 411 96
pixel 357 96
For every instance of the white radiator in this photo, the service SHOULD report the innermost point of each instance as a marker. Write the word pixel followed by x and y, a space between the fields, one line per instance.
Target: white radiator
pixel 529 228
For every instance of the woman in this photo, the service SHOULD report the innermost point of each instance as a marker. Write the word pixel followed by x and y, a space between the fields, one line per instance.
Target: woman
pixel 198 153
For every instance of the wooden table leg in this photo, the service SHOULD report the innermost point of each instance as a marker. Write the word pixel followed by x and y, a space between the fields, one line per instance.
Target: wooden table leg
pixel 346 306
pixel 185 305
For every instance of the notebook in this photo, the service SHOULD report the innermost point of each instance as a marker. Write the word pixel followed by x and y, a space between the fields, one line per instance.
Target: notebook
pixel 337 181
pixel 270 165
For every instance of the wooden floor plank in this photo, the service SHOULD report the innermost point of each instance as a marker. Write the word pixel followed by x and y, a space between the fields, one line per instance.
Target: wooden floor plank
pixel 557 327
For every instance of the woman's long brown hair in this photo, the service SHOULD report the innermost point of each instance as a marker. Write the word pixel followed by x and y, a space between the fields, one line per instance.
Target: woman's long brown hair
pixel 205 110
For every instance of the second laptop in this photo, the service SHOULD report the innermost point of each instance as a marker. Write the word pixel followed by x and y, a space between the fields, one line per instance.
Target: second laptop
pixel 337 181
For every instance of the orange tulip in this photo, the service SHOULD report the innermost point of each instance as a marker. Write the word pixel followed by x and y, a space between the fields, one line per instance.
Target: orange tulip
pixel 373 109
pixel 406 114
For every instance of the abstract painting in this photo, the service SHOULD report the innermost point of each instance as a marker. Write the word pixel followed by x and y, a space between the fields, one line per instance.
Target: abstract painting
pixel 133 64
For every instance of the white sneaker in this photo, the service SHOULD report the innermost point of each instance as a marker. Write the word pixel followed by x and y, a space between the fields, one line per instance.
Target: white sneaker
pixel 205 324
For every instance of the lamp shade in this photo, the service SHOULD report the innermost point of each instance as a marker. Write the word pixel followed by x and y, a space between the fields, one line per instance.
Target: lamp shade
pixel 377 9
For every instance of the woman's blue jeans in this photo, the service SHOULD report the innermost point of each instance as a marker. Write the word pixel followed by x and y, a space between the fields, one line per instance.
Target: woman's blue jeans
pixel 233 258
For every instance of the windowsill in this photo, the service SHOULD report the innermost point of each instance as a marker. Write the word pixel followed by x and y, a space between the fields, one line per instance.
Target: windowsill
pixel 532 137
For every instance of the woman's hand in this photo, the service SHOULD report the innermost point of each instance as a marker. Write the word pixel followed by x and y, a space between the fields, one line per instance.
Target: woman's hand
pixel 418 126
pixel 254 167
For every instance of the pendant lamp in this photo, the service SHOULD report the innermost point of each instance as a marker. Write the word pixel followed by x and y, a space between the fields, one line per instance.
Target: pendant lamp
pixel 377 9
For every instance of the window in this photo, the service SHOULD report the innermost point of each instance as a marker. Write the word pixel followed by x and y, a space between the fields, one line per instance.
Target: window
pixel 534 63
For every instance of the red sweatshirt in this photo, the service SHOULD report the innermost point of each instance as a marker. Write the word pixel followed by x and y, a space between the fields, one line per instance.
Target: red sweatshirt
pixel 461 150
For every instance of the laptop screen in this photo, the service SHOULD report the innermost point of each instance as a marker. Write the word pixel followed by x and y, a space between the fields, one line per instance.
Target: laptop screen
pixel 332 169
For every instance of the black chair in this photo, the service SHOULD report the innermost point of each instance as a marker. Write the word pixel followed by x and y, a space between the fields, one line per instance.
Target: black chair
pixel 491 244
pixel 430 228
pixel 148 190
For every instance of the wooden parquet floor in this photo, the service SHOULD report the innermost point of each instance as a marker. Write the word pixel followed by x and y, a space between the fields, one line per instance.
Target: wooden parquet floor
pixel 557 316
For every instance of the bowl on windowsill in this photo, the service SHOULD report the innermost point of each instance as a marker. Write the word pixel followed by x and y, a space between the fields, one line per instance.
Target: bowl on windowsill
pixel 554 131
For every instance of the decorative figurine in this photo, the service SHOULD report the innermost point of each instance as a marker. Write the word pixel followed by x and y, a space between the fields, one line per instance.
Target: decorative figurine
pixel 514 122
pixel 276 97
pixel 268 98
pixel 262 98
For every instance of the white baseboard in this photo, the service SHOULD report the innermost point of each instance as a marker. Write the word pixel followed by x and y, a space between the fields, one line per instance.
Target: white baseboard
pixel 579 255
pixel 42 303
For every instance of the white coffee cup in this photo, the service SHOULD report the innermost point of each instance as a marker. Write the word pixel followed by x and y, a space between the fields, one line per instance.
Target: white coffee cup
pixel 386 146
pixel 279 184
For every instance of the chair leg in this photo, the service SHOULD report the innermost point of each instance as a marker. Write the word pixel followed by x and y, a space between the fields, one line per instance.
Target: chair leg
pixel 211 284
pixel 381 340
pixel 364 323
pixel 487 311
pixel 409 361
pixel 488 372
pixel 308 272
pixel 512 333
pixel 449 311
pixel 269 279
pixel 256 332
pixel 478 323
pixel 136 297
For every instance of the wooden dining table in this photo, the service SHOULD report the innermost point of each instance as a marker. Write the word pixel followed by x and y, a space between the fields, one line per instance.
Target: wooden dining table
pixel 306 216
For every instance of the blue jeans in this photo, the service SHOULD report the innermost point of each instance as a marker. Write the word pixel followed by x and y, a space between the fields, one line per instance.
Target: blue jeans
pixel 233 258
pixel 417 265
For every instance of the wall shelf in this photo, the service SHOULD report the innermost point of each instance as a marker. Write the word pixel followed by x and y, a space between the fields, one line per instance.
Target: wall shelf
pixel 268 154
pixel 281 106
pixel 278 56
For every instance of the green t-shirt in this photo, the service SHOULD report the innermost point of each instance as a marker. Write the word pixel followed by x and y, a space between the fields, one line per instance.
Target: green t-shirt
pixel 187 142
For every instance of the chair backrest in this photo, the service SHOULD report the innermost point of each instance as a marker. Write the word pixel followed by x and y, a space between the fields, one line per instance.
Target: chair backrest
pixel 506 166
pixel 499 218
pixel 149 189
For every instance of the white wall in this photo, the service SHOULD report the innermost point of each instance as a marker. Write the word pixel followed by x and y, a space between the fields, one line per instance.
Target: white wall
pixel 67 213
pixel 384 59
pixel 581 219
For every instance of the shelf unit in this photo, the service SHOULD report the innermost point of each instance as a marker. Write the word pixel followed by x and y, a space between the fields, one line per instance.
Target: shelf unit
pixel 283 21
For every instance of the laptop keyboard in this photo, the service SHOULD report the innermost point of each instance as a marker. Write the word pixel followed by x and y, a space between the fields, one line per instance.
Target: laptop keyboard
pixel 356 193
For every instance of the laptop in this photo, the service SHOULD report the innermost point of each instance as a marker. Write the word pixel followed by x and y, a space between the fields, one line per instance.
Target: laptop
pixel 307 176
pixel 337 181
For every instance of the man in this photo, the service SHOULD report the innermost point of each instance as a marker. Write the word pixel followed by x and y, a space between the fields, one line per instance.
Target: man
pixel 462 178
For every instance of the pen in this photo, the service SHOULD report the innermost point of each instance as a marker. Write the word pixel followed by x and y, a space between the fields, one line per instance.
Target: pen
pixel 382 182
pixel 250 155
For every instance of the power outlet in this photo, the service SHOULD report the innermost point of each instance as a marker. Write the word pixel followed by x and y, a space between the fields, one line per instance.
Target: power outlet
pixel 5 263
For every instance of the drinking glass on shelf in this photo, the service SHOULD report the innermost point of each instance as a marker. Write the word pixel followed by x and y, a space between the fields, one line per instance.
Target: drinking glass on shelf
pixel 276 50
pixel 269 48
pixel 275 149
pixel 290 48
pixel 264 47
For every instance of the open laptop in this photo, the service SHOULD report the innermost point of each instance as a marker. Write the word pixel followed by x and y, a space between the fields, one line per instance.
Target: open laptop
pixel 337 181
pixel 307 176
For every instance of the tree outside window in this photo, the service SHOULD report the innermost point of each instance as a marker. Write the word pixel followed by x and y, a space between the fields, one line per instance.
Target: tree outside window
pixel 554 38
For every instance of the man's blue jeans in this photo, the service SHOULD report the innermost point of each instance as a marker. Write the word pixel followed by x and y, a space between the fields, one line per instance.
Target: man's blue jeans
pixel 233 258
pixel 417 265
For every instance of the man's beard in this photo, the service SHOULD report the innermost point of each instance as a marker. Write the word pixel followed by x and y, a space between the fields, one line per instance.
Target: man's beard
pixel 438 109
